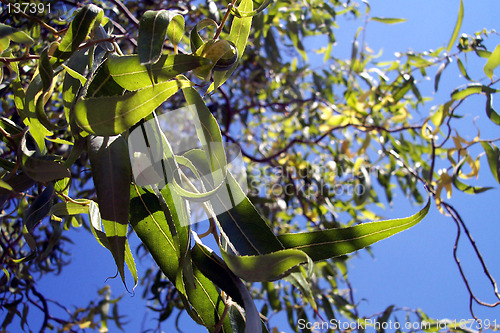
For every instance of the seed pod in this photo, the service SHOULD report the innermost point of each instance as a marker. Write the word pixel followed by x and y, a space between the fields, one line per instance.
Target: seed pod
pixel 222 53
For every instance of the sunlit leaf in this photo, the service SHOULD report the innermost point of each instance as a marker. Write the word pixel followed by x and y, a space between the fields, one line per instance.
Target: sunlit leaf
pixel 131 75
pixel 320 245
pixel 493 62
pixel 493 155
pixel 473 88
pixel 114 114
pixel 458 25
pixel 388 20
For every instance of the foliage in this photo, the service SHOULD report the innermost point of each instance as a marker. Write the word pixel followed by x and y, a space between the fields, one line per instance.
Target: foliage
pixel 315 142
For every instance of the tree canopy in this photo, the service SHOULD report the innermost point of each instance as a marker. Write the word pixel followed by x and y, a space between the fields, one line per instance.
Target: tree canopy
pixel 90 139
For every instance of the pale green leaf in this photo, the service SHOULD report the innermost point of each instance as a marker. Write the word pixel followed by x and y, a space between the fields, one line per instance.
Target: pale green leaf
pixel 493 62
pixel 458 25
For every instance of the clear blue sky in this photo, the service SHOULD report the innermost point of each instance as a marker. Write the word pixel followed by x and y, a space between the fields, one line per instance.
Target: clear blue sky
pixel 414 269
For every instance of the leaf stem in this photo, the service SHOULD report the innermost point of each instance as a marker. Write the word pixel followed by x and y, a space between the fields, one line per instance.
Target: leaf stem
pixel 224 19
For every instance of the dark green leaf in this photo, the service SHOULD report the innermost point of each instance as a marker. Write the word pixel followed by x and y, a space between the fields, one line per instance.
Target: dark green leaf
pixel 111 172
pixel 152 31
pixel 39 208
pixel 14 35
pixel 490 112
pixel 85 19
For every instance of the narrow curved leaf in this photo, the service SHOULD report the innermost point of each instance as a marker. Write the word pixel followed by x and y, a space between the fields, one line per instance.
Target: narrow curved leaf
pixel 470 89
pixel 388 20
pixel 217 271
pixel 456 30
pixel 195 38
pixel 325 244
pixel 464 187
pixel 462 69
pixel 114 114
pixel 490 111
pixel 265 267
pixel 439 72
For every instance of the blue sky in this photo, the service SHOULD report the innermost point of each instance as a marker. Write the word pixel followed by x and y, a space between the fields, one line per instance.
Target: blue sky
pixel 414 269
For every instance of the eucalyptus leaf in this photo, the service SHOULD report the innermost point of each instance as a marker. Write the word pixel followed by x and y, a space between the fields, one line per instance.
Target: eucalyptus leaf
pixel 106 116
pixel 493 62
pixel 128 72
pixel 325 244
pixel 111 173
pixel 84 21
pixel 458 25
pixel 152 31
pixel 388 20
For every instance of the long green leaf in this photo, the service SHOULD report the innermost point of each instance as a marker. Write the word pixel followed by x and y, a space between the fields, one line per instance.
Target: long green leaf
pixel 217 271
pixel 39 208
pixel 111 172
pixel 470 89
pixel 112 115
pixel 490 111
pixel 325 244
pixel 175 30
pixel 128 72
pixel 388 20
pixel 14 35
pixel 149 222
pixel 456 30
